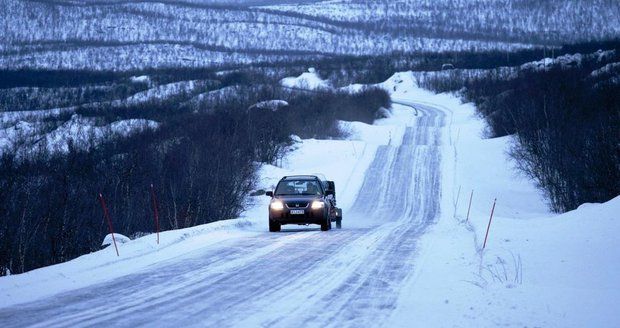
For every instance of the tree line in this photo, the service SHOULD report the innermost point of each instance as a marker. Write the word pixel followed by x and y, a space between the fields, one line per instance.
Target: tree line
pixel 566 128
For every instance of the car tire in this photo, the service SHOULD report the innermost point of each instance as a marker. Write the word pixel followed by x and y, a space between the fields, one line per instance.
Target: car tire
pixel 325 224
pixel 274 226
pixel 339 224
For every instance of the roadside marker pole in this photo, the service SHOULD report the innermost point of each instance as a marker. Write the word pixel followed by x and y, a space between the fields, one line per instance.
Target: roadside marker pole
pixel 155 211
pixel 469 207
pixel 489 225
pixel 456 204
pixel 107 216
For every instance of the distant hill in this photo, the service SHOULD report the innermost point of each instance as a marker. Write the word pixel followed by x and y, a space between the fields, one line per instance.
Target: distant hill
pixel 124 35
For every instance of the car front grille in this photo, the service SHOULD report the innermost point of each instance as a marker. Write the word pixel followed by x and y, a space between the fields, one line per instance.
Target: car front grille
pixel 297 204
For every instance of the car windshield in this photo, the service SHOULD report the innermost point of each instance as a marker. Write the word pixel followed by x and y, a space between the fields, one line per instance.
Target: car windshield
pixel 298 187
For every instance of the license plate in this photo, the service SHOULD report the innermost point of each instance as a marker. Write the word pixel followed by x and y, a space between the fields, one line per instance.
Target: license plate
pixel 297 212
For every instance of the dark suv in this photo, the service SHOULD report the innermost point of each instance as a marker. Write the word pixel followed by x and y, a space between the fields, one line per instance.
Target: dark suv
pixel 304 199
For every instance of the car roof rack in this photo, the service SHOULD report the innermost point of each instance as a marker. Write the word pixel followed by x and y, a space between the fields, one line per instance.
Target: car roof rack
pixel 303 176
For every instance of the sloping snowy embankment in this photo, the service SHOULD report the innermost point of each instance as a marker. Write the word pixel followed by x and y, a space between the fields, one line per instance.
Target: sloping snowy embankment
pixel 539 269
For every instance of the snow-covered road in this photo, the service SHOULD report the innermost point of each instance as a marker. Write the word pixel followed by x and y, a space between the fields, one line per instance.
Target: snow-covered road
pixel 348 277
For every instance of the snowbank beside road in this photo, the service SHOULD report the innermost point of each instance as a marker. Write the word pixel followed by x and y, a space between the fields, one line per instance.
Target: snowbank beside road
pixel 104 265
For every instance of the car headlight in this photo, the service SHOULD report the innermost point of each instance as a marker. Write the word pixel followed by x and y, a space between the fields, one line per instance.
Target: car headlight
pixel 317 204
pixel 276 205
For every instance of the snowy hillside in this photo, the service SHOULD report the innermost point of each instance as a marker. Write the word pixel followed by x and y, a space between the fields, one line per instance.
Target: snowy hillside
pixel 50 129
pixel 424 269
pixel 120 35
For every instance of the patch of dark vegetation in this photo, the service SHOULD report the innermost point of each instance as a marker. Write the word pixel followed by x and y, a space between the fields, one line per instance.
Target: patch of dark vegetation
pixel 57 78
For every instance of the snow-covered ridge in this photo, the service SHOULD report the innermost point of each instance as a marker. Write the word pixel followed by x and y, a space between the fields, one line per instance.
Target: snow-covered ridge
pixel 214 96
pixel 161 92
pixel 24 129
pixel 606 60
pixel 607 69
pixel 82 132
pixel 85 131
pixel 568 60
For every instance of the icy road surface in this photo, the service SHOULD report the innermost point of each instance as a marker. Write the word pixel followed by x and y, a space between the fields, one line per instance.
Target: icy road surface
pixel 349 277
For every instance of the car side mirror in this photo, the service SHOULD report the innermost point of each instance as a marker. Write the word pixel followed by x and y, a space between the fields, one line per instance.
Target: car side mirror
pixel 258 192
pixel 329 192
pixel 269 193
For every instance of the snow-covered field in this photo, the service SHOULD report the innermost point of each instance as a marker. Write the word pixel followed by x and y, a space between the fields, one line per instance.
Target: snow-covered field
pixel 538 269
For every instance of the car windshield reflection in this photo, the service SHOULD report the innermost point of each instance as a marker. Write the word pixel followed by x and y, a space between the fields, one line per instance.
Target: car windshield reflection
pixel 298 188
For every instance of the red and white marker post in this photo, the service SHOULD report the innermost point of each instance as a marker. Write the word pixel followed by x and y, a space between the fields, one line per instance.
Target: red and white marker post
pixel 107 216
pixel 489 225
pixel 469 207
pixel 155 211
